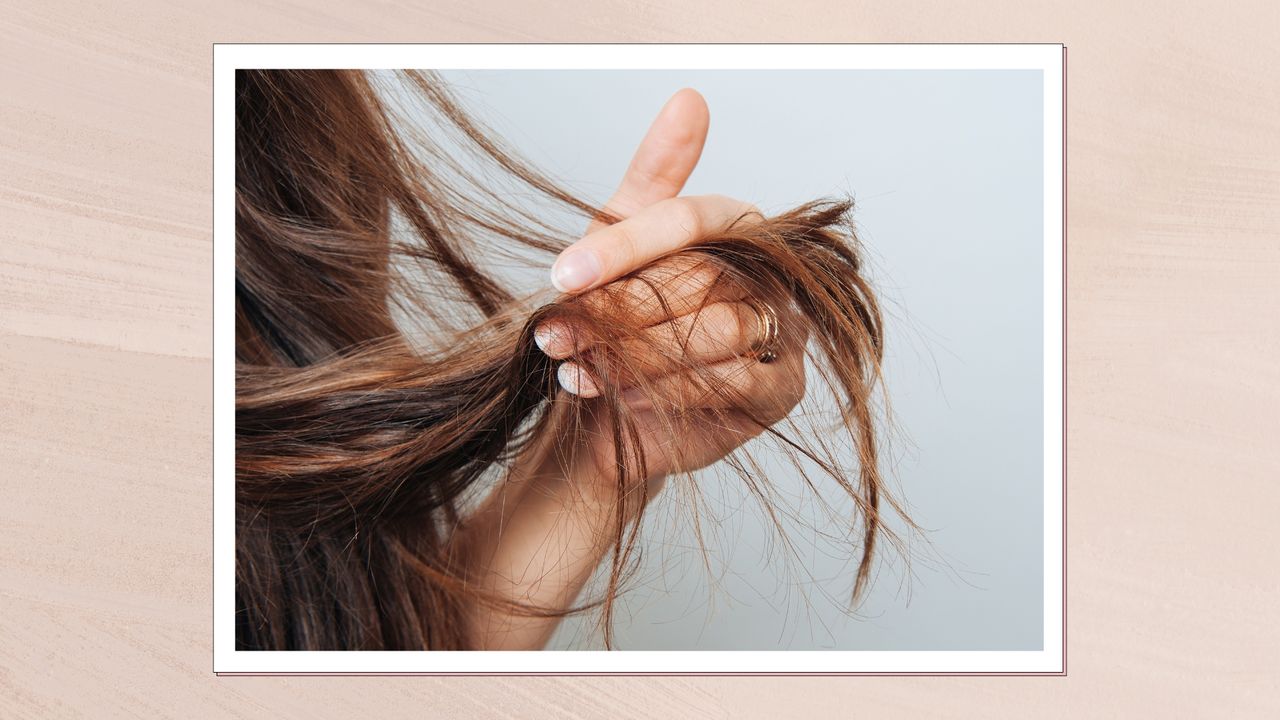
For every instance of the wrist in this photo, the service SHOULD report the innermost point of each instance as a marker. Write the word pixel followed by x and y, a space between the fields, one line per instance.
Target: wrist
pixel 582 486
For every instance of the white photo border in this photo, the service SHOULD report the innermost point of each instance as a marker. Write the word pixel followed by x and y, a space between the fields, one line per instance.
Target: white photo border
pixel 1048 58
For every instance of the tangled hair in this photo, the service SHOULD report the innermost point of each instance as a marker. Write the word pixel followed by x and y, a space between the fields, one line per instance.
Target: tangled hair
pixel 382 376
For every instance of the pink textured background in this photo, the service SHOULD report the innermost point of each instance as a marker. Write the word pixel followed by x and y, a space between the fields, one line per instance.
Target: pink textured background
pixel 105 321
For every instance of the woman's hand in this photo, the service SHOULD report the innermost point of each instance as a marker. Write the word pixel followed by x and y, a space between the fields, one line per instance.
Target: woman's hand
pixel 692 316
pixel 535 540
pixel 719 331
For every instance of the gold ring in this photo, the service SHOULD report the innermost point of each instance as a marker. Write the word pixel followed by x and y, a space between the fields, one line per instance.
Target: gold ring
pixel 767 331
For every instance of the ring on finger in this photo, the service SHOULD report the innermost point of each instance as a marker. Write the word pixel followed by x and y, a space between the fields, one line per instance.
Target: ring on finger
pixel 764 349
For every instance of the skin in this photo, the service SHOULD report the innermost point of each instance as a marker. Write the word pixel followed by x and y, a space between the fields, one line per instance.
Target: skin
pixel 540 535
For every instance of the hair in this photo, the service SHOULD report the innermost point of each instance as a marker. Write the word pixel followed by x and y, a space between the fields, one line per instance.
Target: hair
pixel 382 376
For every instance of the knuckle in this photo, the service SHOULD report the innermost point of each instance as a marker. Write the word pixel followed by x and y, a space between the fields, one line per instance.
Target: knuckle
pixel 733 210
pixel 722 327
pixel 741 324
pixel 686 215
pixel 747 213
pixel 670 337
pixel 688 278
pixel 642 294
pixel 713 327
pixel 702 277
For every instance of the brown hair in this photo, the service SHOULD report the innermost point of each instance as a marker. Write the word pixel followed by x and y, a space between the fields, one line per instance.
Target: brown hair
pixel 382 375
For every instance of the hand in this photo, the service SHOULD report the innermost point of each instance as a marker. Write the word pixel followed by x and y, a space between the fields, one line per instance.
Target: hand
pixel 532 540
pixel 720 335
pixel 685 425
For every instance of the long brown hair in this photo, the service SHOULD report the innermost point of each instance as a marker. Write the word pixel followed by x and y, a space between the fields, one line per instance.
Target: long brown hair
pixel 382 374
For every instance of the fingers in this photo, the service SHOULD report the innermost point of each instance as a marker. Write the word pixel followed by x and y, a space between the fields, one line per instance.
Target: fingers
pixel 713 333
pixel 662 163
pixel 725 359
pixel 662 228
pixel 667 289
pixel 670 289
pixel 716 332
pixel 665 158
pixel 769 390
pixel 718 384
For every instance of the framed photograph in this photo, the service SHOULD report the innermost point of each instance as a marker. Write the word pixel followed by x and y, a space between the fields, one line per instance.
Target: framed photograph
pixel 643 359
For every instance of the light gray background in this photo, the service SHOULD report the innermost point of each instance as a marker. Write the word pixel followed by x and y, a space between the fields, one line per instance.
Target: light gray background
pixel 946 170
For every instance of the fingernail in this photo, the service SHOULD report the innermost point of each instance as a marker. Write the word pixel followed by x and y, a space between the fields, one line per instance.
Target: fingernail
pixel 576 380
pixel 576 270
pixel 553 339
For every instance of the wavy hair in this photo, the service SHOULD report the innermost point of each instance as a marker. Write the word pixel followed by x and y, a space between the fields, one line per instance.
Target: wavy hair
pixel 383 377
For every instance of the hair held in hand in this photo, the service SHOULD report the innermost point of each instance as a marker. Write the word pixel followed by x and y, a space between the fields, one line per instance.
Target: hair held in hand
pixel 383 376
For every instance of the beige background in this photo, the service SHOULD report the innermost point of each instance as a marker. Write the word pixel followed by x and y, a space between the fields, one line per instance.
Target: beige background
pixel 105 164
